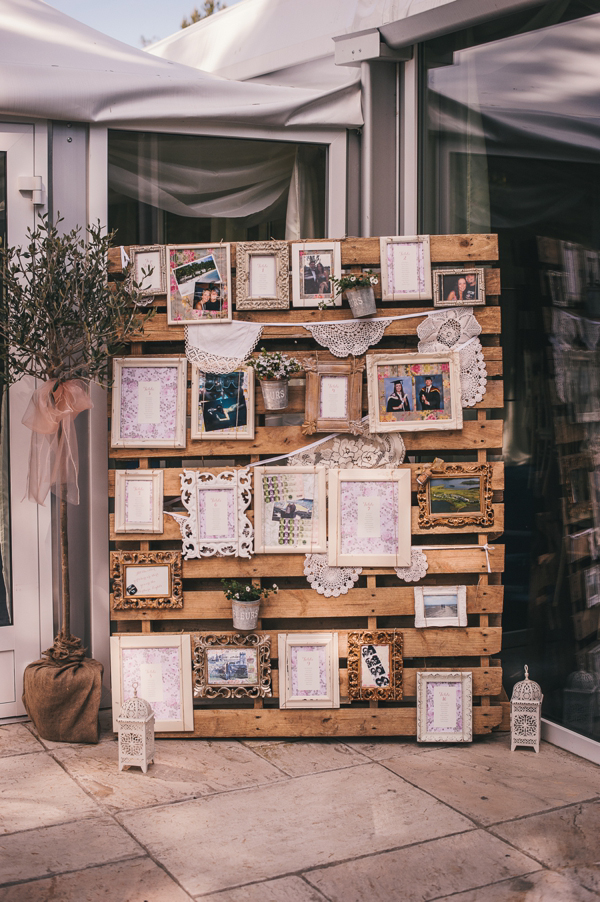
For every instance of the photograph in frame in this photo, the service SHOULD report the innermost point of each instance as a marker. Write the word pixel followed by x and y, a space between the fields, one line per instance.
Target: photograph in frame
pixel 414 392
pixel 148 402
pixel 455 496
pixel 405 268
pixel 138 501
pixel 232 665
pixel 308 670
pixel 444 706
pixel 199 283
pixel 146 580
pixel 290 510
pixel 314 264
pixel 222 405
pixel 459 287
pixel 150 257
pixel 262 275
pixel 440 606
pixel 375 665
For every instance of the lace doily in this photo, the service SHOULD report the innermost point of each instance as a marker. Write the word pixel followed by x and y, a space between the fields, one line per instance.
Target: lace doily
pixel 349 452
pixel 458 330
pixel 329 581
pixel 221 347
pixel 418 567
pixel 344 339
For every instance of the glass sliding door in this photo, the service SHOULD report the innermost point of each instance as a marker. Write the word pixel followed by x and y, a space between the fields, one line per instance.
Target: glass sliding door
pixel 5 559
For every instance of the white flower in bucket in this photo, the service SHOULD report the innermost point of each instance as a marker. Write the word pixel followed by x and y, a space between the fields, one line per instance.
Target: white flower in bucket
pixel 245 602
pixel 273 371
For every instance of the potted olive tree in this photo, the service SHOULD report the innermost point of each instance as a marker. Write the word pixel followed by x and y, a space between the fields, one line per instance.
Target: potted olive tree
pixel 60 322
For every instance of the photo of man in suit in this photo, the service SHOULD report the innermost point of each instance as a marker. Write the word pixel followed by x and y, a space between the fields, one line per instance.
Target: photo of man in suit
pixel 430 397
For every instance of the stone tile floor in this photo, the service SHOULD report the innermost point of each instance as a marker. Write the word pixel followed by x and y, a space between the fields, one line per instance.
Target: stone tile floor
pixel 302 821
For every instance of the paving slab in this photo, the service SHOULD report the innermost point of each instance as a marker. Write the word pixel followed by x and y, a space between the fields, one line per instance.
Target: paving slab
pixel 424 871
pixel 139 880
pixel 36 792
pixel 380 749
pixel 586 876
pixel 66 847
pixel 15 739
pixel 232 839
pixel 559 839
pixel 286 889
pixel 490 783
pixel 300 757
pixel 182 769
pixel 544 886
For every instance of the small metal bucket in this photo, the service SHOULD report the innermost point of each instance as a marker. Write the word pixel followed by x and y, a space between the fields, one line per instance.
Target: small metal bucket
pixel 245 614
pixel 275 394
pixel 362 301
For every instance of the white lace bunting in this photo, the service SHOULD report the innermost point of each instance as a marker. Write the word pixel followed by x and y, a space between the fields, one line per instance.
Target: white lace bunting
pixel 457 329
pixel 345 338
pixel 221 347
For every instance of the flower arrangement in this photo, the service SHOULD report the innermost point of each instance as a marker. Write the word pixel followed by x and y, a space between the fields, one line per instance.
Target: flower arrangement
pixel 272 365
pixel 366 279
pixel 238 591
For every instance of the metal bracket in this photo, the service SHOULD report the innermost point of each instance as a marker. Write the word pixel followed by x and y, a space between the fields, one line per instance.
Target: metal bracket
pixel 33 183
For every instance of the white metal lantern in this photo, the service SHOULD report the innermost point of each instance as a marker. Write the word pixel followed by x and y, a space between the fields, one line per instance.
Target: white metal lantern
pixel 136 732
pixel 526 714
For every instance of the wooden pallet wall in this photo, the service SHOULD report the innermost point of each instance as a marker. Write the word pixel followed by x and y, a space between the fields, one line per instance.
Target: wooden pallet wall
pixel 379 600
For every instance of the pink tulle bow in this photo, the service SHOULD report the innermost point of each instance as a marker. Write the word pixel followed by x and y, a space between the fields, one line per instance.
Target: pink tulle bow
pixel 53 458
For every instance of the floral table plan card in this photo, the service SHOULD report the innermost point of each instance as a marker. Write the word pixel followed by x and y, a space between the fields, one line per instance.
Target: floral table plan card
pixel 439 606
pixel 138 501
pixel 405 268
pixel 290 510
pixel 217 523
pixel 309 670
pixel 314 265
pixel 199 283
pixel 458 287
pixel 146 579
pixel 455 495
pixel 414 392
pixel 148 402
pixel 161 668
pixel 369 518
pixel 222 405
pixel 333 395
pixel 375 665
pixel 444 706
pixel 150 257
pixel 262 275
pixel 232 666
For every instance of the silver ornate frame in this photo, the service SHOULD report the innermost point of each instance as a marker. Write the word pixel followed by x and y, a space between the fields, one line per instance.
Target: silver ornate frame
pixel 244 252
pixel 203 642
pixel 159 249
pixel 194 481
pixel 465 678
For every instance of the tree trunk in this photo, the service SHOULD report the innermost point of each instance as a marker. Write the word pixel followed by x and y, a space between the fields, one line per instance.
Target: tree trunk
pixel 64 568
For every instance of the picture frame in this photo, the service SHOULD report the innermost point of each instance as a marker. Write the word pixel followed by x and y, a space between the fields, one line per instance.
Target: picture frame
pixel 161 666
pixel 199 283
pixel 314 264
pixel 462 287
pixel 232 665
pixel 439 606
pixel 333 395
pixel 290 510
pixel 308 670
pixel 444 706
pixel 262 275
pixel 375 665
pixel 369 518
pixel 146 256
pixel 577 472
pixel 220 400
pixel 149 402
pixel 139 501
pixel 429 396
pixel 216 504
pixel 591 576
pixel 146 580
pixel 455 496
pixel 405 268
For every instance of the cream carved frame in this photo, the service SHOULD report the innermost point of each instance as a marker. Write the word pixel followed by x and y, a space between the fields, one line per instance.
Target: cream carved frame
pixel 155 250
pixel 244 299
pixel 153 477
pixel 240 543
pixel 205 642
pixel 463 734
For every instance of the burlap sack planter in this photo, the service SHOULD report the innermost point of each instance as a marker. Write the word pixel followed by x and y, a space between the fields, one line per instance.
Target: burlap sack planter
pixel 63 700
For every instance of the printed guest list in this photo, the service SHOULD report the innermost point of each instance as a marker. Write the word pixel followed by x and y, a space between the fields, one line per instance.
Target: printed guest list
pixel 368 524
pixel 148 402
pixel 406 267
pixel 444 707
pixel 138 501
pixel 263 281
pixel 334 397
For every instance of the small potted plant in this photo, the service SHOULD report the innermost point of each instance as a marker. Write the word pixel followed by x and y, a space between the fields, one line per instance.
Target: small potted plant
pixel 245 602
pixel 359 291
pixel 273 370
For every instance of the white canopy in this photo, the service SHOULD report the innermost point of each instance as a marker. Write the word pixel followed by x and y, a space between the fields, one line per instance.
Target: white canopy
pixel 53 67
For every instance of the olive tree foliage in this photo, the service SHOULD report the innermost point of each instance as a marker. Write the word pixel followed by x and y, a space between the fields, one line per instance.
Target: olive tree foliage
pixel 60 317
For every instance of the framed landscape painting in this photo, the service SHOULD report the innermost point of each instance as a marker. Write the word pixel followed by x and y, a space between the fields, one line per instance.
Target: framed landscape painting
pixel 232 665
pixel 455 495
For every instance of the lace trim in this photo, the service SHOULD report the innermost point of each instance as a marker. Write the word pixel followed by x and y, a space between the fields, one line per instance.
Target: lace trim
pixel 418 567
pixel 329 581
pixel 215 363
pixel 343 339
pixel 348 452
pixel 458 330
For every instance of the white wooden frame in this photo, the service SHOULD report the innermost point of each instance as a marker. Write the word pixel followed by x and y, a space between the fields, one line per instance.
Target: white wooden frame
pixel 376 424
pixel 402 557
pixel 438 296
pixel 225 281
pixel 328 699
pixel 156 479
pixel 464 730
pixel 320 485
pixel 323 247
pixel 389 292
pixel 231 434
pixel 177 363
pixel 182 642
pixel 159 267
pixel 421 619
pixel 240 540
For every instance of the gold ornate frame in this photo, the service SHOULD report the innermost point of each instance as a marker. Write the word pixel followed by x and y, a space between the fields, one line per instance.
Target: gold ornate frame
pixel 120 560
pixel 485 515
pixel 244 252
pixel 394 690
pixel 316 368
pixel 203 642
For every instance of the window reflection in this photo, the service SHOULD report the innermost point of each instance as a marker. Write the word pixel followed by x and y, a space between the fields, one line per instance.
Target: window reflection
pixel 5 593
